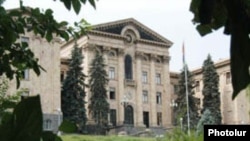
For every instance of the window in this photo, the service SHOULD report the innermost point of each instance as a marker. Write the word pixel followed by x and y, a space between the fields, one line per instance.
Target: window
pixel 159 118
pixel 111 93
pixel 111 73
pixel 145 96
pixel 144 77
pixel 62 76
pixel 158 98
pixel 24 94
pixel 25 74
pixel 113 116
pixel 47 124
pixel 158 78
pixel 197 86
pixel 228 77
pixel 128 67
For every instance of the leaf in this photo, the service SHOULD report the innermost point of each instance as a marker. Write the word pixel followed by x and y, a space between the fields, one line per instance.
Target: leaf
pixel 204 29
pixel 67 127
pixel 92 2
pixel 76 5
pixel 25 123
pixel 67 4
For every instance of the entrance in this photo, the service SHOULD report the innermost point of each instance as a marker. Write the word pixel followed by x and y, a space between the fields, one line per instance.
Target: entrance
pixel 146 119
pixel 129 115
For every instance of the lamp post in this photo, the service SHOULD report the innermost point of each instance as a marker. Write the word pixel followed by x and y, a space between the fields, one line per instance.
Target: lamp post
pixel 59 119
pixel 173 104
pixel 125 103
pixel 181 122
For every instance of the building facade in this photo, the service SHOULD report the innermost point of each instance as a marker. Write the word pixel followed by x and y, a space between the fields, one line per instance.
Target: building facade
pixel 47 84
pixel 232 111
pixel 137 62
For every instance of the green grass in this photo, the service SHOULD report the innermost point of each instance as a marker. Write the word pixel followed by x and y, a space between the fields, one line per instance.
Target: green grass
pixel 103 138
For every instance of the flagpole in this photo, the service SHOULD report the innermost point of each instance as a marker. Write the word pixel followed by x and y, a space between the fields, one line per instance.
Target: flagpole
pixel 186 86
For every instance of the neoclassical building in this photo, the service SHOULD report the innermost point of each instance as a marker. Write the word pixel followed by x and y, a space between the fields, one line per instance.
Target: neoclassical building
pixel 233 111
pixel 137 60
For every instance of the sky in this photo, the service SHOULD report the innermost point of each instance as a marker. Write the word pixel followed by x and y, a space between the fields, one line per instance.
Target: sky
pixel 169 18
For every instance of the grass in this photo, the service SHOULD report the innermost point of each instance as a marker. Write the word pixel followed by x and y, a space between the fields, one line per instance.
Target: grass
pixel 103 138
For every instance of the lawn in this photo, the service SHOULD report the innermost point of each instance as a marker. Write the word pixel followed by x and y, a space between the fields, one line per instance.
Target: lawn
pixel 103 138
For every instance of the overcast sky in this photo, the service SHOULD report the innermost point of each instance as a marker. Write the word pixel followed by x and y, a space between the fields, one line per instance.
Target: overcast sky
pixel 170 18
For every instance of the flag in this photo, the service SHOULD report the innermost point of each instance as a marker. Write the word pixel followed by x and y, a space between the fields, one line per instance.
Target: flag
pixel 183 54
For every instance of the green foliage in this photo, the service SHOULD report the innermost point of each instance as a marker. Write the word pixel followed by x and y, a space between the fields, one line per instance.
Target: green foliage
pixel 73 91
pixel 16 56
pixel 68 127
pixel 210 91
pixel 25 122
pixel 233 15
pixel 77 4
pixel 178 135
pixel 7 102
pixel 181 100
pixel 206 118
pixel 104 138
pixel 99 106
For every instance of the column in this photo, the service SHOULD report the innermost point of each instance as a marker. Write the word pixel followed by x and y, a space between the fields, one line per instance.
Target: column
pixel 152 92
pixel 120 109
pixel 166 95
pixel 138 97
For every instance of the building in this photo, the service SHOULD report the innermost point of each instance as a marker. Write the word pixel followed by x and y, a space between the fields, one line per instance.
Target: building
pixel 137 61
pixel 47 84
pixel 233 111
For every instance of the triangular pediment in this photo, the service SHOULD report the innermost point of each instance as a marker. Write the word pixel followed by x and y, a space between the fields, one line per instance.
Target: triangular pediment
pixel 116 27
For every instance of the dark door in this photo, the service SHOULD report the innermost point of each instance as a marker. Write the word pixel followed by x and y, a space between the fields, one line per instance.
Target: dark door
pixel 129 115
pixel 146 119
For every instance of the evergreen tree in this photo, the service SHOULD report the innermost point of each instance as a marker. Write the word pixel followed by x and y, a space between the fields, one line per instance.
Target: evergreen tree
pixel 73 91
pixel 206 118
pixel 99 106
pixel 211 94
pixel 181 109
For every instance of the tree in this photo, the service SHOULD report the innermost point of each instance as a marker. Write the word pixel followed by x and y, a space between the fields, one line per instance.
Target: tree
pixel 206 118
pixel 181 101
pixel 99 106
pixel 73 91
pixel 233 15
pixel 16 56
pixel 210 91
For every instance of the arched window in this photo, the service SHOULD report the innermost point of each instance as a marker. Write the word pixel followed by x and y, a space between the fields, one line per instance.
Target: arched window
pixel 47 124
pixel 128 67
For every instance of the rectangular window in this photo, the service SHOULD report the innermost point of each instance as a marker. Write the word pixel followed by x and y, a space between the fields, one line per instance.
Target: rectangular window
pixel 111 73
pixel 111 93
pixel 159 118
pixel 62 76
pixel 113 116
pixel 144 77
pixel 158 78
pixel 158 98
pixel 197 86
pixel 228 77
pixel 145 96
pixel 25 74
pixel 47 125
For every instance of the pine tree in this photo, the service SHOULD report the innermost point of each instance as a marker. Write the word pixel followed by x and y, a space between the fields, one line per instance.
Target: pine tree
pixel 73 91
pixel 181 109
pixel 211 94
pixel 99 106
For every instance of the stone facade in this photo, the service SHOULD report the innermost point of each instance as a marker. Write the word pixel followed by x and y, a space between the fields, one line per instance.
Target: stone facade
pixel 47 84
pixel 233 111
pixel 137 62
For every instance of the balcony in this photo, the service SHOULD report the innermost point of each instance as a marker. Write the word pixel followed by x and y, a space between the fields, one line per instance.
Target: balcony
pixel 129 82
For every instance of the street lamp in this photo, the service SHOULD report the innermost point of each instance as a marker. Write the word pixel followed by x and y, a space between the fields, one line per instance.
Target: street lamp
pixel 181 122
pixel 173 103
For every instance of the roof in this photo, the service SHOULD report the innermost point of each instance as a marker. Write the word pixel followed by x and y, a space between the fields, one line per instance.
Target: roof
pixel 115 28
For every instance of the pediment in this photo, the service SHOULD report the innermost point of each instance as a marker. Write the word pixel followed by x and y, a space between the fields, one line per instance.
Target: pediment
pixel 116 27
